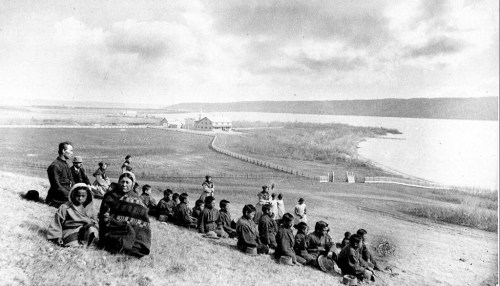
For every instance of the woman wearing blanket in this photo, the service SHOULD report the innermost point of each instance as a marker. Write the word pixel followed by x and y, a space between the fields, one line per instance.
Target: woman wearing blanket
pixel 124 220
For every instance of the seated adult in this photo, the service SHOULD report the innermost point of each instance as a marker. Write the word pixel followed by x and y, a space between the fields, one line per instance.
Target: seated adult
pixel 124 221
pixel 364 252
pixel 102 181
pixel 319 242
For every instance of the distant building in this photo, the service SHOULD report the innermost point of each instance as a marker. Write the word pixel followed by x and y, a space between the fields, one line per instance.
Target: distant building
pixel 164 122
pixel 210 123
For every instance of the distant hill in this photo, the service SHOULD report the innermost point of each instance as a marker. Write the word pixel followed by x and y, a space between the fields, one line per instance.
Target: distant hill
pixel 483 108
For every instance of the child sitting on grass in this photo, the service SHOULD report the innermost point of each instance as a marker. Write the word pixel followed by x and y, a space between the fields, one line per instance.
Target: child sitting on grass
pixel 364 252
pixel 285 240
pixel 182 213
pixel 350 261
pixel 228 225
pixel 197 209
pixel 345 241
pixel 148 200
pixel 75 221
pixel 300 246
pixel 268 227
pixel 247 232
pixel 164 206
pixel 210 219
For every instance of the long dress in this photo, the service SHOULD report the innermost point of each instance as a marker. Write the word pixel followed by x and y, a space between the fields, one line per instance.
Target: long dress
pixel 300 211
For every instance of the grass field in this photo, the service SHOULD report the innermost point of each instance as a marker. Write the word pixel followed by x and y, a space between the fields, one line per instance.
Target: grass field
pixel 456 253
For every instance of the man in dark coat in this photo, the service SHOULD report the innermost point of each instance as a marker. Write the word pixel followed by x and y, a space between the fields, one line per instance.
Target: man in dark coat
pixel 78 172
pixel 60 177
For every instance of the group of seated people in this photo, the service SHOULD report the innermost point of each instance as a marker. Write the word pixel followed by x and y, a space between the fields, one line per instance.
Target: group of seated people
pixel 123 226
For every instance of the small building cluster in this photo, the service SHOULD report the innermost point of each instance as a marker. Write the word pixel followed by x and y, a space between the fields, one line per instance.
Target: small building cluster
pixel 203 123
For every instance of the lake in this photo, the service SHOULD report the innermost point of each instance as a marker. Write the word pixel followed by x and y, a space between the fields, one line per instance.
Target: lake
pixel 451 152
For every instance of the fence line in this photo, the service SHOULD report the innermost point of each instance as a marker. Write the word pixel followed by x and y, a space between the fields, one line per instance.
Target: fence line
pixel 266 164
pixel 406 182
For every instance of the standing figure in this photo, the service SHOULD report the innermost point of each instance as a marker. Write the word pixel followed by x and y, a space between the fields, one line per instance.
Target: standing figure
pixel 300 212
pixel 102 181
pixel 60 177
pixel 124 221
pixel 281 208
pixel 274 204
pixel 126 167
pixel 75 222
pixel 263 200
pixel 208 188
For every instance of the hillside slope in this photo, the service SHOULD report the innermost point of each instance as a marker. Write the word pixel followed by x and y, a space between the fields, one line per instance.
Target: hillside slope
pixel 483 108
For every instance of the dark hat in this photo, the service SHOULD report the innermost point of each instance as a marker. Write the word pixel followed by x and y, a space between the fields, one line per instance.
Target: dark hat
pixel 102 163
pixel 301 200
pixel 32 195
pixel 77 159
pixel 128 157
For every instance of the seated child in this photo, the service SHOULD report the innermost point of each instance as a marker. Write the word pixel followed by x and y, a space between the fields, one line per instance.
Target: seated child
pixel 350 261
pixel 182 213
pixel 285 240
pixel 210 218
pixel 300 247
pixel 75 221
pixel 247 232
pixel 198 207
pixel 345 241
pixel 148 200
pixel 268 227
pixel 364 252
pixel 164 207
pixel 228 225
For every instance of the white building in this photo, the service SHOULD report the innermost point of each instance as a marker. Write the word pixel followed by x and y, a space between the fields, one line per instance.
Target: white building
pixel 210 123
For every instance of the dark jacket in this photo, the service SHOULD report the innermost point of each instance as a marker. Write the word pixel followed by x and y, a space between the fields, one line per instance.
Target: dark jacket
pixel 79 176
pixel 267 230
pixel 246 231
pixel 349 261
pixel 182 215
pixel 60 180
pixel 209 220
pixel 285 242
pixel 226 222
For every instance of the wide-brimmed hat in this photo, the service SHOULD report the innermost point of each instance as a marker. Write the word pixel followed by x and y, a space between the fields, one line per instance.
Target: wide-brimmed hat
pixel 301 200
pixel 326 264
pixel 211 234
pixel 350 280
pixel 285 260
pixel 251 251
pixel 77 159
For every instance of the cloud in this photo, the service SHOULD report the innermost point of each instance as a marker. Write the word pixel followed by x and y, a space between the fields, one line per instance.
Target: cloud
pixel 362 24
pixel 437 47
pixel 334 63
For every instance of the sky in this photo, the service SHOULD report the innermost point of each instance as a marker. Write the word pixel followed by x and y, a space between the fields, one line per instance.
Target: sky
pixel 166 52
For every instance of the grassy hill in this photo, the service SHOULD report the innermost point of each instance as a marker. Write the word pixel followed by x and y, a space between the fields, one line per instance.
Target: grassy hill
pixel 482 108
